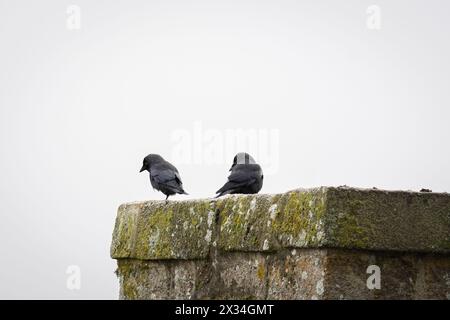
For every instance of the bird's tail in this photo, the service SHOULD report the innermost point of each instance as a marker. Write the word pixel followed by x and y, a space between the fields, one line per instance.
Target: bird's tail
pixel 222 193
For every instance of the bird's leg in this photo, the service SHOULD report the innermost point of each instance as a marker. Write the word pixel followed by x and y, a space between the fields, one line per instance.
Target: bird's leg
pixel 167 197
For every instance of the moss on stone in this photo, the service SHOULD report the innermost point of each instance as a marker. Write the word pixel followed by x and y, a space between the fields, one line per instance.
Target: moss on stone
pixel 155 236
pixel 127 279
pixel 261 272
pixel 243 223
pixel 349 234
pixel 164 230
pixel 125 231
pixel 445 244
pixel 321 217
pixel 299 218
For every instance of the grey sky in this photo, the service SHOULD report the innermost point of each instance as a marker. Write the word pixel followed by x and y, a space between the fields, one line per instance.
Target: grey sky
pixel 79 109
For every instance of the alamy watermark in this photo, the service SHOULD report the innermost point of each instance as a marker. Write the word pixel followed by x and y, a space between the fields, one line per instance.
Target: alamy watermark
pixel 374 280
pixel 373 21
pixel 73 20
pixel 73 281
pixel 208 146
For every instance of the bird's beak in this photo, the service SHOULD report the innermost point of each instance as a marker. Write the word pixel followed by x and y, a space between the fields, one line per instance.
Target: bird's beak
pixel 142 169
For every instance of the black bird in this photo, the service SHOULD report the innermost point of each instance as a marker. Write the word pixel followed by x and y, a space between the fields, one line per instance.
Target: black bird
pixel 164 176
pixel 246 176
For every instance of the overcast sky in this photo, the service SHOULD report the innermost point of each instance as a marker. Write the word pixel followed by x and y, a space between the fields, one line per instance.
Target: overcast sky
pixel 319 92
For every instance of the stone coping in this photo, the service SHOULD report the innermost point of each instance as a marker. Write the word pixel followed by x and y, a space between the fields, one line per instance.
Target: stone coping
pixel 324 217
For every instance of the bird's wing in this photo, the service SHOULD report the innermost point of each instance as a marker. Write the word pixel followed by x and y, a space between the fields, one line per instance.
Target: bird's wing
pixel 167 175
pixel 241 176
pixel 178 177
pixel 164 175
pixel 244 174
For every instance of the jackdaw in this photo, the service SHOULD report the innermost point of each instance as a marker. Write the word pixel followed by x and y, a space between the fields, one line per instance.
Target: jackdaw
pixel 164 176
pixel 246 176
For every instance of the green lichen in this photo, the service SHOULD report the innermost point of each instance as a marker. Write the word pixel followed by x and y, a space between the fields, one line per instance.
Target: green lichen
pixel 349 233
pixel 291 219
pixel 299 218
pixel 129 291
pixel 323 217
pixel 444 245
pixel 343 225
pixel 261 271
pixel 157 236
pixel 164 230
pixel 126 272
pixel 243 223
pixel 124 231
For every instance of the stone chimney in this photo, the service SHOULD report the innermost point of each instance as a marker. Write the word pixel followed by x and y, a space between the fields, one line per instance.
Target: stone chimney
pixel 323 243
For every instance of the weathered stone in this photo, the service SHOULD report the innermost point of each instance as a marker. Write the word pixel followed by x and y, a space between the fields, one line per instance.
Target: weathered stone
pixel 242 276
pixel 124 236
pixel 303 244
pixel 150 279
pixel 159 230
pixel 387 220
pixel 336 217
pixel 184 279
pixel 144 280
pixel 403 275
pixel 267 223
pixel 297 274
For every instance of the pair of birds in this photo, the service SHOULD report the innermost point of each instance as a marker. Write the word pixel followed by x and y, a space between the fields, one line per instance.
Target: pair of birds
pixel 246 176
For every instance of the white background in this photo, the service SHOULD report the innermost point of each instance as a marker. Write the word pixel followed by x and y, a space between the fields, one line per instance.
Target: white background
pixel 79 109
